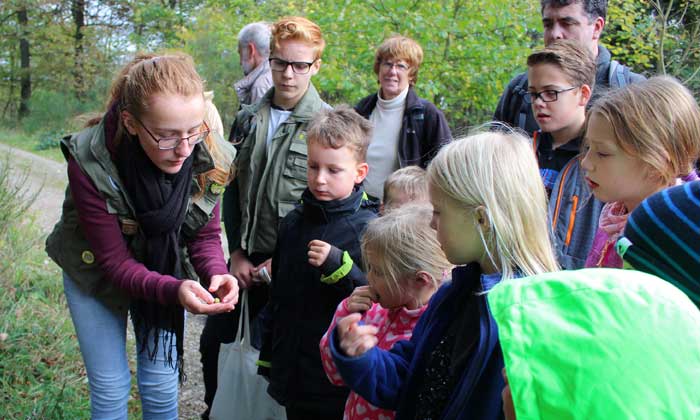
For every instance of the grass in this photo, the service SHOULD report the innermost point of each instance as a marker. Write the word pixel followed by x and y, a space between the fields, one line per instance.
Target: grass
pixel 41 370
pixel 42 144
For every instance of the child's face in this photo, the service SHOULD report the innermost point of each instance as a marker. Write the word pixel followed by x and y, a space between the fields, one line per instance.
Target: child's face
pixel 407 295
pixel 456 229
pixel 568 112
pixel 384 295
pixel 332 173
pixel 611 173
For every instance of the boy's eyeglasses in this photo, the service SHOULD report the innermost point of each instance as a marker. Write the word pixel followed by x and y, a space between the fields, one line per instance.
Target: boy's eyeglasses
pixel 298 67
pixel 549 95
pixel 167 143
pixel 400 67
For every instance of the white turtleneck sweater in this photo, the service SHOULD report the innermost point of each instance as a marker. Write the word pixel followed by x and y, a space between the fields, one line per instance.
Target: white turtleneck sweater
pixel 383 152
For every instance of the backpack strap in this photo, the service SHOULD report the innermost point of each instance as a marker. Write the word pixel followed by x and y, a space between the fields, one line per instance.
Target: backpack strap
pixel 521 90
pixel 616 74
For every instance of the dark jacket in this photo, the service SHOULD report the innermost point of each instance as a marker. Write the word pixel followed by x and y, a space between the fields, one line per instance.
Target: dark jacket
pixel 303 300
pixel 392 379
pixel 515 112
pixel 424 129
pixel 573 211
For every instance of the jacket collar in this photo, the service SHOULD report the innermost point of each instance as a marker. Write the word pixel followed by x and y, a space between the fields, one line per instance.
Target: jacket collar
pixel 336 208
pixel 602 66
pixel 303 111
pixel 245 83
pixel 412 102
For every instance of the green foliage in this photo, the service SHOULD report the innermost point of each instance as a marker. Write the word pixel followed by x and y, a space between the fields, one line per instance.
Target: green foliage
pixel 630 34
pixel 657 36
pixel 472 48
pixel 49 140
pixel 40 367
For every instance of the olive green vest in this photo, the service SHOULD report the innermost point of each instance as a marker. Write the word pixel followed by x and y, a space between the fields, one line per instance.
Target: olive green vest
pixel 67 245
pixel 271 178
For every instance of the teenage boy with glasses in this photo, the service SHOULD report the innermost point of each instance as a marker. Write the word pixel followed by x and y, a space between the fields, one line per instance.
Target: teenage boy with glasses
pixel 560 82
pixel 271 162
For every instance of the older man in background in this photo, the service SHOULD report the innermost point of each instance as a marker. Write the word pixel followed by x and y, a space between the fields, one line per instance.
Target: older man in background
pixel 254 52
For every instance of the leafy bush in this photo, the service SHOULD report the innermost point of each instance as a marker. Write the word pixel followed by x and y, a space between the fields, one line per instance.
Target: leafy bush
pixel 41 373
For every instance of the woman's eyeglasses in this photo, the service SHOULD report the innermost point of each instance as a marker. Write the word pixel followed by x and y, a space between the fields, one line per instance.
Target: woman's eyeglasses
pixel 167 143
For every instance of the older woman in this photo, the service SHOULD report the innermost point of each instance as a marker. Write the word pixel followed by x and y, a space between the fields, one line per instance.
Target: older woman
pixel 408 130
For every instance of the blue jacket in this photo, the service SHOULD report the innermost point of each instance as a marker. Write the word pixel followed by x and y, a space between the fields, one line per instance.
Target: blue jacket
pixel 303 300
pixel 392 379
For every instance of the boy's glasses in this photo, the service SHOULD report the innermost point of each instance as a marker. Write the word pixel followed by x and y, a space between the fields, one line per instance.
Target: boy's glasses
pixel 167 143
pixel 549 95
pixel 298 67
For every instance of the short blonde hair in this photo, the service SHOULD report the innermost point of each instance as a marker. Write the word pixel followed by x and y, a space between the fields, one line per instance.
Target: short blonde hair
pixel 656 121
pixel 403 242
pixel 341 126
pixel 572 58
pixel 497 170
pixel 400 47
pixel 297 28
pixel 411 180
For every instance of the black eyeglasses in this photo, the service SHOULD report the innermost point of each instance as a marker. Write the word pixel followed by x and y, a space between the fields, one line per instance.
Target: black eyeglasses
pixel 549 95
pixel 298 67
pixel 168 143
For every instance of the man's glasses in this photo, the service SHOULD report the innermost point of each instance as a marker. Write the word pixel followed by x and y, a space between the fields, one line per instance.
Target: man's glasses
pixel 549 95
pixel 167 143
pixel 298 67
pixel 400 67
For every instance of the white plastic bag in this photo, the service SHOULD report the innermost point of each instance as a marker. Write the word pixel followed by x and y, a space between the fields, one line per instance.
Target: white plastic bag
pixel 241 393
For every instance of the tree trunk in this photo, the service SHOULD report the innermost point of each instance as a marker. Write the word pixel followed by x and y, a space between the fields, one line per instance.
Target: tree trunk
pixel 78 11
pixel 25 71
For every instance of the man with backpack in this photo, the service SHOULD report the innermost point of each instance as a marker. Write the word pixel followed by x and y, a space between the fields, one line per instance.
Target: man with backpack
pixel 582 20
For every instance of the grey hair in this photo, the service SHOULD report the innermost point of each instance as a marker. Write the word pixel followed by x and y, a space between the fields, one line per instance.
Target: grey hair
pixel 259 34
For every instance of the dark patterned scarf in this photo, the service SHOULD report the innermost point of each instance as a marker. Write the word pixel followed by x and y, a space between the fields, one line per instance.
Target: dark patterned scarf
pixel 160 201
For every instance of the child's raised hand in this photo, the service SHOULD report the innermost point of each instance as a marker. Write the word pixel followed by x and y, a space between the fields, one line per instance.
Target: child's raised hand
pixel 361 299
pixel 356 339
pixel 318 252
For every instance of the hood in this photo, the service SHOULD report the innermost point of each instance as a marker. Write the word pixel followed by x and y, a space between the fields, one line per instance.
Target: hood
pixel 599 344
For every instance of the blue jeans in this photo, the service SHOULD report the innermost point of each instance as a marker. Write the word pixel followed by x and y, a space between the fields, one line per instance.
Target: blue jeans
pixel 101 334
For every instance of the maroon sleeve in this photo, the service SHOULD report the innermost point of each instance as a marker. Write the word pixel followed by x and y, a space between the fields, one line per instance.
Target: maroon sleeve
pixel 205 250
pixel 103 233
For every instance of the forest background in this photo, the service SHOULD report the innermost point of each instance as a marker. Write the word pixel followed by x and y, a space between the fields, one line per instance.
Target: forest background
pixel 58 57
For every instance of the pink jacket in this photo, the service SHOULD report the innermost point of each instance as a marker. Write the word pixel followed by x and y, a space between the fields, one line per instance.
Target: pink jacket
pixel 394 325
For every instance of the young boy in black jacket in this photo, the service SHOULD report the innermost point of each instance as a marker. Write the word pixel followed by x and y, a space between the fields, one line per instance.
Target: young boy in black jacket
pixel 315 265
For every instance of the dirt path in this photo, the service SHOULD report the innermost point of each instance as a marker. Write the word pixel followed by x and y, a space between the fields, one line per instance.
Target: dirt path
pixel 48 177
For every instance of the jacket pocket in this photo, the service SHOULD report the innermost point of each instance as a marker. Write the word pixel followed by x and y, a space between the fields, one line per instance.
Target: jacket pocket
pixel 296 161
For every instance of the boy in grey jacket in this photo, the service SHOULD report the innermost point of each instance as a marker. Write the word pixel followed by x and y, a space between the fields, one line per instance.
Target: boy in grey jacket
pixel 560 82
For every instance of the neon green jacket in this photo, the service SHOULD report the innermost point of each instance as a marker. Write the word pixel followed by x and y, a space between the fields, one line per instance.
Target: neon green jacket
pixel 599 344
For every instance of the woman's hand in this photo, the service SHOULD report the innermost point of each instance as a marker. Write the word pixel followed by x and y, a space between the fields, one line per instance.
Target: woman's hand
pixel 318 252
pixel 193 297
pixel 361 299
pixel 356 339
